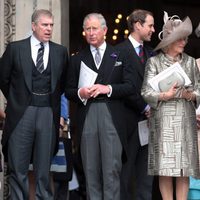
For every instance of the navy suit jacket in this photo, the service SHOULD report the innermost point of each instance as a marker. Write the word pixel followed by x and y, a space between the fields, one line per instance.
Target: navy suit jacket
pixel 16 81
pixel 135 103
pixel 118 76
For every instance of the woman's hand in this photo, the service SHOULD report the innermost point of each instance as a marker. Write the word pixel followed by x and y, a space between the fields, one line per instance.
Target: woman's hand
pixel 198 121
pixel 170 94
pixel 188 95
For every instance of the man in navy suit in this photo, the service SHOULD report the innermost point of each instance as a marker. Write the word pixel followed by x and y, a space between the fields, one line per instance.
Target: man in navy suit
pixel 33 105
pixel 100 110
pixel 135 184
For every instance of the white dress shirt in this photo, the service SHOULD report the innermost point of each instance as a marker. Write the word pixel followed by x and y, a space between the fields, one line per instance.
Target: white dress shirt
pixel 135 43
pixel 102 49
pixel 35 45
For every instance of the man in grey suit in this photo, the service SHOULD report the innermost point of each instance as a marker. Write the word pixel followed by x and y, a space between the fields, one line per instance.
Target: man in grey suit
pixel 32 78
pixel 135 184
pixel 100 110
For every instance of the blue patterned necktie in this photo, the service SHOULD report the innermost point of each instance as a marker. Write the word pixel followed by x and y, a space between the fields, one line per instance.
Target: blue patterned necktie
pixel 39 60
pixel 141 53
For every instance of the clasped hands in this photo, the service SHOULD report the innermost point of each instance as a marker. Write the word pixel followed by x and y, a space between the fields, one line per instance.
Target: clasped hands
pixel 93 91
pixel 178 93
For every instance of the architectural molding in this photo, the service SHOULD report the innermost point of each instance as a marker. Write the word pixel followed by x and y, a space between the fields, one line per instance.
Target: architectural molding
pixel 9 21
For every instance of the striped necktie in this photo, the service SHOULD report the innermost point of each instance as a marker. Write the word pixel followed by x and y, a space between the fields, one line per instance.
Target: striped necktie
pixel 39 60
pixel 141 53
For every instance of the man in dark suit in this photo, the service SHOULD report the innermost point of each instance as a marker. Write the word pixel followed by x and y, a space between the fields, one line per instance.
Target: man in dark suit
pixel 32 78
pixel 100 110
pixel 135 184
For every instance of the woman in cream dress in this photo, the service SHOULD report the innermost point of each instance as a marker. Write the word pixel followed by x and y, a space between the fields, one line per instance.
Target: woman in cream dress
pixel 173 150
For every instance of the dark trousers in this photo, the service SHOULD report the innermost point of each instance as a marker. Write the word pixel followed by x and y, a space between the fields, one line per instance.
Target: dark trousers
pixel 61 190
pixel 135 183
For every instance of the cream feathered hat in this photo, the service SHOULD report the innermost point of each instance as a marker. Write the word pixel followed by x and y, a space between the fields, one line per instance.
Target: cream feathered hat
pixel 173 30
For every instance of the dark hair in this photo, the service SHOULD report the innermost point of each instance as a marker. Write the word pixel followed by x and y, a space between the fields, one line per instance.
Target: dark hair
pixel 37 13
pixel 137 15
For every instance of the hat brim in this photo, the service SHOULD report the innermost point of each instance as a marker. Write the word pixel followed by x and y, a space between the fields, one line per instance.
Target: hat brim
pixel 182 31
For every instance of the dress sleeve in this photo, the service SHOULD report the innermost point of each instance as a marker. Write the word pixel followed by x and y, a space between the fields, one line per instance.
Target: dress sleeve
pixel 148 93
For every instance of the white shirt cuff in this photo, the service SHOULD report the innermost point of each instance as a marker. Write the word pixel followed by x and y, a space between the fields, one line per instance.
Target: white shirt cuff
pixel 110 93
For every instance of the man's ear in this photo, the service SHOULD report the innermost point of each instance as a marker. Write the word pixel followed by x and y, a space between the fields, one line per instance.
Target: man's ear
pixel 138 25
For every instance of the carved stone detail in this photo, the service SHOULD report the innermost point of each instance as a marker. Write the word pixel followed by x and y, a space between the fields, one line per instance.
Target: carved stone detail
pixel 9 23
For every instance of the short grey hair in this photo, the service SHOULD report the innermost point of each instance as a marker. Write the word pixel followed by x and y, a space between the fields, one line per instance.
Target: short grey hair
pixel 37 13
pixel 98 16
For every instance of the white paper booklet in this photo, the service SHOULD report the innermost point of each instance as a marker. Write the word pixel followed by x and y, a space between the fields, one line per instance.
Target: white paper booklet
pixel 87 76
pixel 143 130
pixel 169 76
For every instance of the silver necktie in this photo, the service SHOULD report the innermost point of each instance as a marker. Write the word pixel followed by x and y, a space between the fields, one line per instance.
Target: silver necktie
pixel 97 57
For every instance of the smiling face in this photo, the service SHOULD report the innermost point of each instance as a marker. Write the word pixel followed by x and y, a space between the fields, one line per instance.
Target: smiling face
pixel 94 32
pixel 146 29
pixel 43 28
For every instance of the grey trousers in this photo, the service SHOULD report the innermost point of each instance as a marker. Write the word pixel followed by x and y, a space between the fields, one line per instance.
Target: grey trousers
pixel 101 151
pixel 35 133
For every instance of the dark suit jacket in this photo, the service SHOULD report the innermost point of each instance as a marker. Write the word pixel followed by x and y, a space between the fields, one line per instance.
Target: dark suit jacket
pixel 135 103
pixel 119 77
pixel 16 81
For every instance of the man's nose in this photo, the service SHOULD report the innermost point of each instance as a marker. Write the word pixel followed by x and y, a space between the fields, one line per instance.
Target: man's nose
pixel 49 27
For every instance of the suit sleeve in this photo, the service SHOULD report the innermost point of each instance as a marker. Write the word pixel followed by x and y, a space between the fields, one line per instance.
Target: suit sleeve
pixel 6 68
pixel 124 86
pixel 71 91
pixel 134 101
pixel 65 68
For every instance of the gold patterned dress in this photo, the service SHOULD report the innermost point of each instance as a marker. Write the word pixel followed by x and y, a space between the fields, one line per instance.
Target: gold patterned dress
pixel 173 143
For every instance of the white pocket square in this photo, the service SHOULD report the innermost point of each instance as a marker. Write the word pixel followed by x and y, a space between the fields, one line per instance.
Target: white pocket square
pixel 118 63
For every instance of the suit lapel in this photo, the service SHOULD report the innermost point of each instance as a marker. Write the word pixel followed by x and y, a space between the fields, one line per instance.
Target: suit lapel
pixel 26 62
pixel 139 66
pixel 53 59
pixel 108 62
pixel 87 58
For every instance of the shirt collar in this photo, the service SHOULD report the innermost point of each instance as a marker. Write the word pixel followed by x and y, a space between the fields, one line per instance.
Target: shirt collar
pixel 134 42
pixel 101 47
pixel 36 42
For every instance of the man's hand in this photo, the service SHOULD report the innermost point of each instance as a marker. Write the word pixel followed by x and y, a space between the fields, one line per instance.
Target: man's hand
pixel 85 93
pixel 148 113
pixel 98 89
